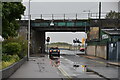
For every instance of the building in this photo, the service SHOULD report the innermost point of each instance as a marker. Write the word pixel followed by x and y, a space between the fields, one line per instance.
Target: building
pixel 113 43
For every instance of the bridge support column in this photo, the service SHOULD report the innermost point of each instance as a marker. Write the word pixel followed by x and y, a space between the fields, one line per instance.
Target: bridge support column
pixel 38 42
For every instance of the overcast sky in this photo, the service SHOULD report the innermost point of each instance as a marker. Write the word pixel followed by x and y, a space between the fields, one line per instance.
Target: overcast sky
pixel 37 7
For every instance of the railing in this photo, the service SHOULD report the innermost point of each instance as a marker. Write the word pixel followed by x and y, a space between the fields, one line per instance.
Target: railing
pixel 64 16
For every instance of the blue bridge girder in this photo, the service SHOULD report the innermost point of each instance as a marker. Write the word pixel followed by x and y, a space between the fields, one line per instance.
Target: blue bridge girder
pixel 70 25
pixel 60 25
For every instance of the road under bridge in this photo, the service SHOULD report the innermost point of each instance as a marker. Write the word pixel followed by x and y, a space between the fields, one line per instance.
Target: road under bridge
pixel 40 26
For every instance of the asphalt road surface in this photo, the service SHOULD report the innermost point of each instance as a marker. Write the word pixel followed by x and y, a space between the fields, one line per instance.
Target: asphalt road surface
pixel 72 66
pixel 68 67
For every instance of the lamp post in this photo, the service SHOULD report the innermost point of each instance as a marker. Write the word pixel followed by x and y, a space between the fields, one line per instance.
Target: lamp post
pixel 86 38
pixel 52 24
pixel 28 31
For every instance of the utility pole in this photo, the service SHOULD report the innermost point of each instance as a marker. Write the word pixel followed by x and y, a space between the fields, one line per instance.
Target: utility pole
pixel 99 10
pixel 100 21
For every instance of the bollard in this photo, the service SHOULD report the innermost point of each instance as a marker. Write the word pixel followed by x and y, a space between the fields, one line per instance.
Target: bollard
pixel 84 68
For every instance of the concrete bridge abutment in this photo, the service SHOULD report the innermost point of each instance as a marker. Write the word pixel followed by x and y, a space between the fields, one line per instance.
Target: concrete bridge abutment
pixel 37 42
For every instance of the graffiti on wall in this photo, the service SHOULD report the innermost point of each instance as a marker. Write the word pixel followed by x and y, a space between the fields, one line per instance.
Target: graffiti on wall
pixel 94 33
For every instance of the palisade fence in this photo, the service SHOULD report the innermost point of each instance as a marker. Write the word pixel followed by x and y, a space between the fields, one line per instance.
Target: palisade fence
pixel 110 52
pixel 114 51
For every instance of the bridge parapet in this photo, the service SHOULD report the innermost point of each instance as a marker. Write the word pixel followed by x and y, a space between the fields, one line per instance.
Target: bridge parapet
pixel 105 23
pixel 59 23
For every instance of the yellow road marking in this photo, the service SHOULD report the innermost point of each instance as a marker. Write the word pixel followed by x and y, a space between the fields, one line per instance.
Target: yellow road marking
pixel 64 72
pixel 99 62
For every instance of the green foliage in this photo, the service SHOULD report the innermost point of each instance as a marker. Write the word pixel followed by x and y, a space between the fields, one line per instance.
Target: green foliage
pixel 6 57
pixel 10 12
pixel 12 48
pixel 21 41
pixel 6 64
pixel 113 15
pixel 7 60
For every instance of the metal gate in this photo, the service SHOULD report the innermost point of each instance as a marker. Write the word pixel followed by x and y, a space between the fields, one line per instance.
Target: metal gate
pixel 114 51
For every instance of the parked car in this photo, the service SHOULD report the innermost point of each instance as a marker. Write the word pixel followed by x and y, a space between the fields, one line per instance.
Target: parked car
pixel 54 52
pixel 82 49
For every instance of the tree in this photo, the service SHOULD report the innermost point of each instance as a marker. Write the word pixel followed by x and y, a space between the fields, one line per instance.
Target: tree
pixel 113 15
pixel 10 12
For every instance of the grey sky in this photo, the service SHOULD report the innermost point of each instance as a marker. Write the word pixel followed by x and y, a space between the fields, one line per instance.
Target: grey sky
pixel 67 7
pixel 65 36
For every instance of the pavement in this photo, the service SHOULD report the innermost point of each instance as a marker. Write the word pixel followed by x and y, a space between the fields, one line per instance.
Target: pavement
pixel 76 72
pixel 111 71
pixel 101 60
pixel 37 67
pixel 42 67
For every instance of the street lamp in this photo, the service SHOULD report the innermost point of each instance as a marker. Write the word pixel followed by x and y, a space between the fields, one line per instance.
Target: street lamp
pixel 28 31
pixel 52 24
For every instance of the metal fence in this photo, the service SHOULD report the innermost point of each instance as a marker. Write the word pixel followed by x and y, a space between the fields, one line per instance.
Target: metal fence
pixel 64 16
pixel 114 51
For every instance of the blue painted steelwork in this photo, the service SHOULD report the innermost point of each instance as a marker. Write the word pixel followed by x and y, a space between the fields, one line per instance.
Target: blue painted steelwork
pixel 60 24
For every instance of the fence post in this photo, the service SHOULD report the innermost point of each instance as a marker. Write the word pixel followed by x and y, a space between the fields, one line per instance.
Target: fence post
pixel 95 50
pixel 117 58
pixel 64 16
pixel 41 16
pixel 76 16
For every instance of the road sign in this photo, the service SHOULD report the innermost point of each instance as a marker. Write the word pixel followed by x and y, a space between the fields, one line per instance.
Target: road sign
pixel 83 40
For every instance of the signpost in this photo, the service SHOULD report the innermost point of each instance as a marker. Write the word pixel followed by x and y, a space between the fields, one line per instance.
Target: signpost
pixel 75 41
pixel 48 40
pixel 83 41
